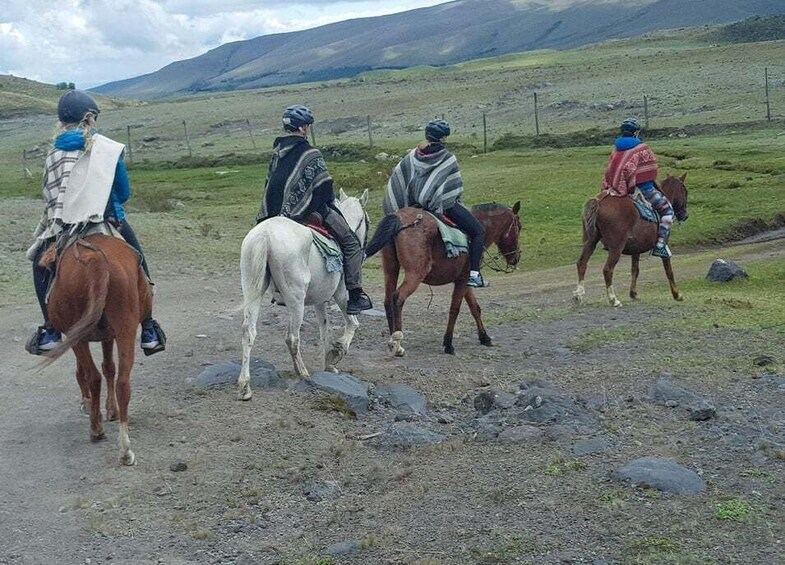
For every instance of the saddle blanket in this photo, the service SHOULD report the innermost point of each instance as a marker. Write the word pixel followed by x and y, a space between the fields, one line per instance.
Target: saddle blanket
pixel 644 207
pixel 455 241
pixel 333 256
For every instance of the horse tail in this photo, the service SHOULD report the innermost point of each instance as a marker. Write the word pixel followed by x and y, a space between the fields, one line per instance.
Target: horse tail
pixel 253 267
pixel 385 233
pixel 96 274
pixel 590 230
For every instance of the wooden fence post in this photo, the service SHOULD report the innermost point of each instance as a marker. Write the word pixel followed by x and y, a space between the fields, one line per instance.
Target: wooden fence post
pixel 536 116
pixel 768 107
pixel 313 136
pixel 128 145
pixel 484 134
pixel 645 111
pixel 250 132
pixel 370 135
pixel 187 141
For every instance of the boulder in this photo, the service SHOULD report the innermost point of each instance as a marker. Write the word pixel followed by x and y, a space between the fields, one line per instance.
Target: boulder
pixel 590 446
pixel 407 434
pixel 401 397
pixel 521 433
pixel 263 375
pixel 661 474
pixel 352 390
pixel 725 271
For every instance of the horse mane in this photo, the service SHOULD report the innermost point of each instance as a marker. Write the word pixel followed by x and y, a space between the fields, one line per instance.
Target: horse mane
pixel 489 207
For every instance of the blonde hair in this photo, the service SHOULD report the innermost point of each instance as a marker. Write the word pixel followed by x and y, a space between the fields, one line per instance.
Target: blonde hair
pixel 87 124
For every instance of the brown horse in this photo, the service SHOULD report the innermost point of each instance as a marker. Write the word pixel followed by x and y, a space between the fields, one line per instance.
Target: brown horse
pixel 616 222
pixel 100 294
pixel 410 239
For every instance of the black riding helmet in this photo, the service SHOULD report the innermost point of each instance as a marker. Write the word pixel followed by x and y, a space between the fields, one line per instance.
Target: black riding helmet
pixel 630 125
pixel 74 105
pixel 295 117
pixel 436 130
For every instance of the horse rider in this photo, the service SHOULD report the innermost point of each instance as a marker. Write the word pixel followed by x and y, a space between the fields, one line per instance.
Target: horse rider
pixel 78 114
pixel 633 164
pixel 428 177
pixel 298 185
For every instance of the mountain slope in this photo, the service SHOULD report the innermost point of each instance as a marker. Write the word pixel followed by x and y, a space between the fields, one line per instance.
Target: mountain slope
pixel 439 35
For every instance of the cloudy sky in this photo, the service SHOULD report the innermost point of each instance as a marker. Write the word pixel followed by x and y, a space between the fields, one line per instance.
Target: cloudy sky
pixel 91 42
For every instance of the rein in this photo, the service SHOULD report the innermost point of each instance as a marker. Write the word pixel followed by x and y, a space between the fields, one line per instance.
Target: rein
pixel 494 261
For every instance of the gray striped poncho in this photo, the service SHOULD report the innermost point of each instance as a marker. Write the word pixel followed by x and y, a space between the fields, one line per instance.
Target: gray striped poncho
pixel 431 181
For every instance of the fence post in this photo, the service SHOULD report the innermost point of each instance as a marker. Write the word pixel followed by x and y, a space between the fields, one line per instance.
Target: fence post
pixel 130 151
pixel 24 163
pixel 313 136
pixel 646 111
pixel 536 116
pixel 484 134
pixel 250 132
pixel 370 135
pixel 187 141
pixel 768 107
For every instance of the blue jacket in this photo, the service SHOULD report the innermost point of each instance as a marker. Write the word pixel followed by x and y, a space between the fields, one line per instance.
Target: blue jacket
pixel 73 140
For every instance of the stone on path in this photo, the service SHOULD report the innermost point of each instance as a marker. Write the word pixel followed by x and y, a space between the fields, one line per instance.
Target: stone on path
pixel 351 389
pixel 590 446
pixel 725 271
pixel 263 375
pixel 521 433
pixel 407 434
pixel 661 474
pixel 666 393
pixel 401 397
pixel 489 400
pixel 341 548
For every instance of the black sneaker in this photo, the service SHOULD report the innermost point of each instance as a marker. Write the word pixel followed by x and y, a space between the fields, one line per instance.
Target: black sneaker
pixel 358 301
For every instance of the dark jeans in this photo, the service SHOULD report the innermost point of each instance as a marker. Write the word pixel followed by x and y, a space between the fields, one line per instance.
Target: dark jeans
pixel 130 238
pixel 350 246
pixel 468 224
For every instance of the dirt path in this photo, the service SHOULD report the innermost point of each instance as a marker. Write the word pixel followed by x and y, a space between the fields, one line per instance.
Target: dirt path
pixel 250 466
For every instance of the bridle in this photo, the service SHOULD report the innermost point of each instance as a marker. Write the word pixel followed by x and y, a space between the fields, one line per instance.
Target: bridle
pixel 494 261
pixel 367 222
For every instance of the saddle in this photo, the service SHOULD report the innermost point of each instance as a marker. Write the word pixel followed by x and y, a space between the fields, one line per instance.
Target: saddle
pixel 455 241
pixel 325 243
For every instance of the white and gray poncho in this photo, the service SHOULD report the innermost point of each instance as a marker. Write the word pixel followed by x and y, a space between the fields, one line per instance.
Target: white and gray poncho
pixel 430 181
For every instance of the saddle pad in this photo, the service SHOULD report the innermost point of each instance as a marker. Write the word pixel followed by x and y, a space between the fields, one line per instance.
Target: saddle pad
pixel 333 256
pixel 644 208
pixel 455 241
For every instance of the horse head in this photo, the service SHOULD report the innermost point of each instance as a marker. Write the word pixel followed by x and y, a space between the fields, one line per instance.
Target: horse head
pixel 353 210
pixel 676 191
pixel 502 227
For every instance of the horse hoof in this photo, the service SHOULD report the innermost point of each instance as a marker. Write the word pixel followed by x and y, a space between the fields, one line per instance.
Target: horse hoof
pixel 486 340
pixel 95 438
pixel 111 416
pixel 400 352
pixel 129 459
pixel 245 395
pixel 616 304
pixel 679 298
pixel 449 350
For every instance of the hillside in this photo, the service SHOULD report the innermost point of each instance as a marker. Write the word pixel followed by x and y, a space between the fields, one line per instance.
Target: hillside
pixel 463 30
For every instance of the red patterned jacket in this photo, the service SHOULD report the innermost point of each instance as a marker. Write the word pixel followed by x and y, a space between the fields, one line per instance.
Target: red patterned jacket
pixel 629 168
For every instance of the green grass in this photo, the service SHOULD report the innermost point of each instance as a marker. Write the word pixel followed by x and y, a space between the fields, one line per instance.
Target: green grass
pixel 734 510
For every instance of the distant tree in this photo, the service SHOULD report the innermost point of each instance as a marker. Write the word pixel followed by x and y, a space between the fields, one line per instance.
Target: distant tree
pixel 62 85
pixel 71 86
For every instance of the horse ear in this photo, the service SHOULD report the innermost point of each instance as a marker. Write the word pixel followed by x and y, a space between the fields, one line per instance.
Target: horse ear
pixel 364 198
pixel 342 195
pixel 682 177
pixel 516 208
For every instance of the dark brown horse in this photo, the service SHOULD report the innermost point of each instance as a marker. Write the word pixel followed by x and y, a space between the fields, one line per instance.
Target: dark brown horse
pixel 616 222
pixel 100 294
pixel 410 239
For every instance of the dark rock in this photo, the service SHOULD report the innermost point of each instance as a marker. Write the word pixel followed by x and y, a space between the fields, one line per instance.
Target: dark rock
pixel 702 411
pixel 178 467
pixel 489 400
pixel 589 447
pixel 483 402
pixel 316 492
pixel 661 474
pixel 667 393
pixel 763 361
pixel 401 397
pixel 521 433
pixel 347 387
pixel 341 548
pixel 548 406
pixel 725 271
pixel 406 434
pixel 263 375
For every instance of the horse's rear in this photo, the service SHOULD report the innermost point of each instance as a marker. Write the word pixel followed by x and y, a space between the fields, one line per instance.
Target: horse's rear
pixel 101 294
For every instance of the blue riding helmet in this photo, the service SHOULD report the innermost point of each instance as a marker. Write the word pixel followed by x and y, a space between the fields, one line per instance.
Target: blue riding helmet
pixel 436 130
pixel 295 117
pixel 74 105
pixel 630 125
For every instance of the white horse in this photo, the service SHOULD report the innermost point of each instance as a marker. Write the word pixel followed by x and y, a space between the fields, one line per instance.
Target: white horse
pixel 280 253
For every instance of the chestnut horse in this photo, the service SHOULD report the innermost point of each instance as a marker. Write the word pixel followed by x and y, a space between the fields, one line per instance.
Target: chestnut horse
pixel 410 239
pixel 100 294
pixel 616 222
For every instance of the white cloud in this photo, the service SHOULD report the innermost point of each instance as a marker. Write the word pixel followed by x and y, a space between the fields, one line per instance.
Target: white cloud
pixel 91 42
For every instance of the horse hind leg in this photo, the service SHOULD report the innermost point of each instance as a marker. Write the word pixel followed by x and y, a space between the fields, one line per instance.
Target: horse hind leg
pixel 407 288
pixel 250 318
pixel 126 342
pixel 635 271
pixel 607 271
pixel 324 336
pixel 458 293
pixel 579 294
pixel 341 345
pixel 476 311
pixel 296 312
pixel 93 380
pixel 109 370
